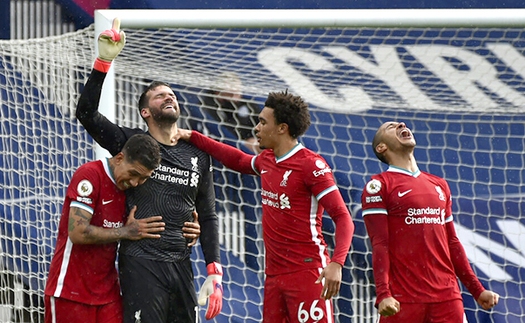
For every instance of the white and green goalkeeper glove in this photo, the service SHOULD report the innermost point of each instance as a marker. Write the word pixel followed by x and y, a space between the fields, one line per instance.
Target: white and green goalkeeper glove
pixel 110 43
pixel 212 289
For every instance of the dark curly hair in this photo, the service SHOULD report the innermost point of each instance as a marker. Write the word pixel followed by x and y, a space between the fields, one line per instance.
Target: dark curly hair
pixel 144 149
pixel 290 109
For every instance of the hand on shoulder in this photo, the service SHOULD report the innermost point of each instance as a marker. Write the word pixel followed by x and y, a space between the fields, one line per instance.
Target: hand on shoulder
pixel 183 134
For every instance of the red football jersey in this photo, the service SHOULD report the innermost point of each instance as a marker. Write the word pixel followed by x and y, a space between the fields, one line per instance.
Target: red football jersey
pixel 87 273
pixel 291 186
pixel 417 207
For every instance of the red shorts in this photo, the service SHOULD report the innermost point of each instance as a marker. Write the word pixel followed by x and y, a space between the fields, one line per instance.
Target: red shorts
pixel 295 298
pixel 443 312
pixel 60 310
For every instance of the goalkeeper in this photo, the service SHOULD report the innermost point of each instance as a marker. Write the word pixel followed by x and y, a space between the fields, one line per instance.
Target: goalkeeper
pixel 416 254
pixel 156 276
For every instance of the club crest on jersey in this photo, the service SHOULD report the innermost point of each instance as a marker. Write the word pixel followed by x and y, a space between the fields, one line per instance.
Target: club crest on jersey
pixel 285 177
pixel 138 318
pixel 440 192
pixel 373 186
pixel 84 188
pixel 194 164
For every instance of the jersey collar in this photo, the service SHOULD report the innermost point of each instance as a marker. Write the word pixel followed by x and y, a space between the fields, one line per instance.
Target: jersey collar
pixel 289 154
pixel 403 171
pixel 105 163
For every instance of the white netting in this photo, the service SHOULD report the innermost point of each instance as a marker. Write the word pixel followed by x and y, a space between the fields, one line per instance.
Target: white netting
pixel 42 144
pixel 460 90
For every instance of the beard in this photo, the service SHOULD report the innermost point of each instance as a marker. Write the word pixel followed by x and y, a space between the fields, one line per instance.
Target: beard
pixel 163 117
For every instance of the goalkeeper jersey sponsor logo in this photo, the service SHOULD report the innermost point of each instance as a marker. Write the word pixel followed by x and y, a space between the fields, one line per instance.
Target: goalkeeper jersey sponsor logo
pixel 178 176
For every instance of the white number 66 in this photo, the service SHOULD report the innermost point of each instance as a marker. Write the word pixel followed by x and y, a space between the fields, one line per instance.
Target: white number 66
pixel 316 313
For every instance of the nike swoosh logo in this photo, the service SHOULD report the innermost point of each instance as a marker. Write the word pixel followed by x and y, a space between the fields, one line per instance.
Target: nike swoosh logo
pixel 264 171
pixel 106 202
pixel 403 193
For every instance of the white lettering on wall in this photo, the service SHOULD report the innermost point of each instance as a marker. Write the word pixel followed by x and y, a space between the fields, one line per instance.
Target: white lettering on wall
pixel 277 61
pixel 388 69
pixel 476 82
pixel 465 82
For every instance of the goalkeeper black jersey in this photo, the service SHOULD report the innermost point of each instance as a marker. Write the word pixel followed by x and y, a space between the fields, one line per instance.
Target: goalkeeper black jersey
pixel 171 191
pixel 183 182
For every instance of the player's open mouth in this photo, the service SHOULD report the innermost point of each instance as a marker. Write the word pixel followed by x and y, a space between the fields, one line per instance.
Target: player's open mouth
pixel 405 134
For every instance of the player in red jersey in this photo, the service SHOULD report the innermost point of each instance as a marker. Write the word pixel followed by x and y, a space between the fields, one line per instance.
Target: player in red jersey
pixel 416 254
pixel 297 186
pixel 83 280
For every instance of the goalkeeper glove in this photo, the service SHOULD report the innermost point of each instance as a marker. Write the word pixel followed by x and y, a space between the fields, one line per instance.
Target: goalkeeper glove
pixel 212 289
pixel 110 43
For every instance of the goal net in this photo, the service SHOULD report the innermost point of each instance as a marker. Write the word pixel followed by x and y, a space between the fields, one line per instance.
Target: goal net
pixel 455 77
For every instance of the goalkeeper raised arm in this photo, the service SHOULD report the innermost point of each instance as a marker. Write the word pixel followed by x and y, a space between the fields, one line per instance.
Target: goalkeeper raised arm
pixel 156 277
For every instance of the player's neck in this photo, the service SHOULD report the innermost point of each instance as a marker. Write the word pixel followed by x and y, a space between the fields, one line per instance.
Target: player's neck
pixel 407 162
pixel 284 146
pixel 165 134
pixel 111 166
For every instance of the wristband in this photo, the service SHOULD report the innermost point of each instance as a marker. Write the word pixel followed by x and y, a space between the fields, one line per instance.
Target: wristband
pixel 214 268
pixel 102 65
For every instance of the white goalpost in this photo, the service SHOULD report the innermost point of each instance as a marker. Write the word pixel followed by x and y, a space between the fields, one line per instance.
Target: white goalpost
pixel 455 76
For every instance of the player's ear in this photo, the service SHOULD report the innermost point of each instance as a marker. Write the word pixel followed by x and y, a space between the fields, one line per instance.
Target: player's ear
pixel 283 127
pixel 119 158
pixel 381 148
pixel 144 113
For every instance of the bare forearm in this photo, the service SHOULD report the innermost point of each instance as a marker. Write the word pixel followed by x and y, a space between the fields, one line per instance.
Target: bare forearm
pixel 81 231
pixel 97 235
